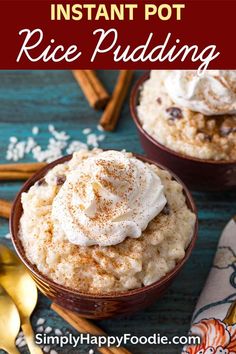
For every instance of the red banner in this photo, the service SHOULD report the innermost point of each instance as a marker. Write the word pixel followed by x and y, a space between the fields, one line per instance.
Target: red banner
pixel 47 34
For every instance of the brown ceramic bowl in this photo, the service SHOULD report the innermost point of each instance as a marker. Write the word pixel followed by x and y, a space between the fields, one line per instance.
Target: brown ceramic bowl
pixel 198 174
pixel 88 305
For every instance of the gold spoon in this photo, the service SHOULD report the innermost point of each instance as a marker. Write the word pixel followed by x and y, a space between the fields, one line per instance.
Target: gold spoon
pixel 230 318
pixel 22 289
pixel 9 323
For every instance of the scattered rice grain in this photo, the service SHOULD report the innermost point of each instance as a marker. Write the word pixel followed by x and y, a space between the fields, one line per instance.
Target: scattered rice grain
pixel 101 137
pixel 13 139
pixel 86 131
pixel 48 330
pixel 47 348
pixel 100 128
pixel 22 343
pixel 92 140
pixel 58 332
pixel 18 340
pixel 35 130
pixel 40 329
pixel 40 321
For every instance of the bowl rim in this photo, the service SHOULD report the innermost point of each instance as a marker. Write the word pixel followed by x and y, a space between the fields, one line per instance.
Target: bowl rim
pixel 133 109
pixel 83 295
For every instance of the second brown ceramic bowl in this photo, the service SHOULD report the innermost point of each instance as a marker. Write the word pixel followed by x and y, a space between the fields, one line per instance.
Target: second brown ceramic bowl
pixel 89 305
pixel 198 174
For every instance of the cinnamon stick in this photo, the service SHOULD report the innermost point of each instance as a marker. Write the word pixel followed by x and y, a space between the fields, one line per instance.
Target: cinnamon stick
pixel 111 114
pixel 5 209
pixel 14 175
pixel 84 326
pixel 22 167
pixel 92 87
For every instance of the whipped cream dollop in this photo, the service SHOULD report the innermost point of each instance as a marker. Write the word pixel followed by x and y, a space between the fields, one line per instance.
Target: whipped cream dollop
pixel 212 93
pixel 111 196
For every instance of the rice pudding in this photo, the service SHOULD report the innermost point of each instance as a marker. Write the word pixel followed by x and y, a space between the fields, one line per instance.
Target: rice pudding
pixel 105 222
pixel 190 114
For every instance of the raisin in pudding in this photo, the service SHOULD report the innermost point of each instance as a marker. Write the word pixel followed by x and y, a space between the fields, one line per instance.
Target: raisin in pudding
pixel 190 114
pixel 105 222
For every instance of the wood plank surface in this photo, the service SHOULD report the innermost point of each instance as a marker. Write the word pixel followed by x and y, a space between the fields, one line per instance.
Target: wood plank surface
pixel 29 98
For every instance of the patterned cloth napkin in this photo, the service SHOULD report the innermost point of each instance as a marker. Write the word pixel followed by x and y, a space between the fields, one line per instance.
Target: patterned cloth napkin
pixel 214 318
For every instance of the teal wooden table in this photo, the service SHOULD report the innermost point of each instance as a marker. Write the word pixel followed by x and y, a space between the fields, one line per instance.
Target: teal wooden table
pixel 30 98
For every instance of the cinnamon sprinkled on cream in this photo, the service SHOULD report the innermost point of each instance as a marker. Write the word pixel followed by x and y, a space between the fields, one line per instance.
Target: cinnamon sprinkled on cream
pixel 110 197
pixel 213 93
